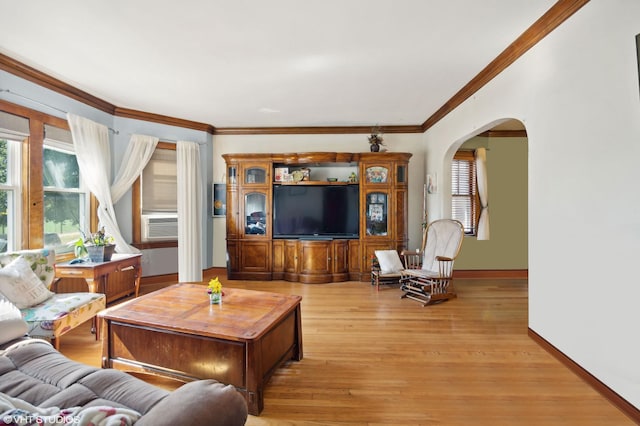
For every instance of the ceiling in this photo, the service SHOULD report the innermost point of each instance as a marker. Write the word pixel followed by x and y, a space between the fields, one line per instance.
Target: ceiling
pixel 276 63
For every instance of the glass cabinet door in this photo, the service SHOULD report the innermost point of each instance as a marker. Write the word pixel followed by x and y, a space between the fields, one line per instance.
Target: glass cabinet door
pixel 255 209
pixel 401 174
pixel 231 175
pixel 255 175
pixel 376 211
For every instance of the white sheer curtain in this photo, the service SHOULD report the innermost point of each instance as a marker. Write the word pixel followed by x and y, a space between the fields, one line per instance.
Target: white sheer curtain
pixel 483 192
pixel 91 143
pixel 189 212
pixel 136 157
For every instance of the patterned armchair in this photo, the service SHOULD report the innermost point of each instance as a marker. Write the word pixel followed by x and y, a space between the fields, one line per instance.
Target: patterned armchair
pixel 58 312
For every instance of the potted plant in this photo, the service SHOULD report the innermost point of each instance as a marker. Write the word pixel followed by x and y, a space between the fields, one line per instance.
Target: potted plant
pixel 375 140
pixel 99 246
pixel 215 291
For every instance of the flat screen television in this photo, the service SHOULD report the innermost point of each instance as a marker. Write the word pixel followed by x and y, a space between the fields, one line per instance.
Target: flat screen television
pixel 316 211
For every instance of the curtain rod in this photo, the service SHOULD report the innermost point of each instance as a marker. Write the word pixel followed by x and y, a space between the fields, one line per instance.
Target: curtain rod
pixel 46 105
pixel 171 140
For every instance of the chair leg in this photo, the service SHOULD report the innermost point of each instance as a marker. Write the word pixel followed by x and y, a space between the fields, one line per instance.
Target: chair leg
pixel 95 327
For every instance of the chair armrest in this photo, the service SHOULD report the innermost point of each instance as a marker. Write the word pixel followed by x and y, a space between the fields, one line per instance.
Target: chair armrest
pixel 445 266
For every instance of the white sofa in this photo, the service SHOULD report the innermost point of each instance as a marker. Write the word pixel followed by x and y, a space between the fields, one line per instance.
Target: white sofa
pixel 49 315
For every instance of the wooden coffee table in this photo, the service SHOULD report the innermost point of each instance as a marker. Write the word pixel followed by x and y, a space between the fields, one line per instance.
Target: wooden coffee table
pixel 175 332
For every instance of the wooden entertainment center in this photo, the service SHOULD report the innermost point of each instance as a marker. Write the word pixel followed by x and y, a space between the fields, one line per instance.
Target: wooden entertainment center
pixel 255 253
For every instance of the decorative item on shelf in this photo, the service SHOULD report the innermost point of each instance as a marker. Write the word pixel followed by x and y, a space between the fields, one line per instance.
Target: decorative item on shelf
pixel 376 174
pixel 214 289
pixel 98 246
pixel 306 173
pixel 281 174
pixel 332 179
pixel 375 140
pixel 353 178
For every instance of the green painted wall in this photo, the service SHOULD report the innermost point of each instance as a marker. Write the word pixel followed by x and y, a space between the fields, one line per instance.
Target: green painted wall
pixel 507 160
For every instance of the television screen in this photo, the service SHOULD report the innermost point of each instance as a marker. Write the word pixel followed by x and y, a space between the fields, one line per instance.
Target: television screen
pixel 316 211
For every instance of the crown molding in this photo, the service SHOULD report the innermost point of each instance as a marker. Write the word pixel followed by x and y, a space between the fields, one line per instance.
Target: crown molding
pixel 163 119
pixel 310 130
pixel 559 12
pixel 12 66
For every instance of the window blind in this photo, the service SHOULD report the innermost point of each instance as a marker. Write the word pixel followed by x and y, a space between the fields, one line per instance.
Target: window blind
pixel 160 183
pixel 463 191
pixel 13 126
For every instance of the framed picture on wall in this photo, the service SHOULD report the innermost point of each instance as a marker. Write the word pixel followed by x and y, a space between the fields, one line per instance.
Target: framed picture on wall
pixel 219 200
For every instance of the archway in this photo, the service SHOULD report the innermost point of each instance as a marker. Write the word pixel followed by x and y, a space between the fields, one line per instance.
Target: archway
pixel 506 252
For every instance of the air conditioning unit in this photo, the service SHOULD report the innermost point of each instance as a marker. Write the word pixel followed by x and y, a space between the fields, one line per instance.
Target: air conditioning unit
pixel 158 227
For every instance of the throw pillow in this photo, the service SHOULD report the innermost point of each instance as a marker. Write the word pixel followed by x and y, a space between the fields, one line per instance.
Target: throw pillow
pixel 12 325
pixel 21 285
pixel 389 261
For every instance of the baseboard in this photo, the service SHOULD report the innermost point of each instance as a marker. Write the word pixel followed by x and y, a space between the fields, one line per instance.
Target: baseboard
pixel 464 273
pixel 492 273
pixel 207 274
pixel 622 404
pixel 219 272
pixel 158 279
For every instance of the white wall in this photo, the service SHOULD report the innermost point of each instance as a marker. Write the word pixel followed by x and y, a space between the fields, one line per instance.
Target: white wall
pixel 397 142
pixel 577 94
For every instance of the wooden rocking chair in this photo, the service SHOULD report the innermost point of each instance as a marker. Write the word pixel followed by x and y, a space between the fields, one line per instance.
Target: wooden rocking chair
pixel 433 281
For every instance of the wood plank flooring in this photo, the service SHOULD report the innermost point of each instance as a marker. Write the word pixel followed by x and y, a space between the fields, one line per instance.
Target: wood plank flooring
pixel 371 358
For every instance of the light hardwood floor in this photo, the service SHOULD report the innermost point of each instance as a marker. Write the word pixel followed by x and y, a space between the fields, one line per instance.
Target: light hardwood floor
pixel 371 358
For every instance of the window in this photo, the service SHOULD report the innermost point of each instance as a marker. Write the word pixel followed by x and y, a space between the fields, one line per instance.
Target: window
pixel 9 195
pixel 155 200
pixel 32 215
pixel 160 183
pixel 464 191
pixel 66 200
pixel 13 130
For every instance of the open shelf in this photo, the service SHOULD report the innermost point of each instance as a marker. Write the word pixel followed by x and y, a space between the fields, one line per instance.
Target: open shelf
pixel 315 182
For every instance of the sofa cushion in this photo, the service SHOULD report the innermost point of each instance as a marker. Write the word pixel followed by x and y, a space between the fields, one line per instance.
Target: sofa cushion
pixel 208 403
pixel 42 262
pixel 124 390
pixel 62 312
pixel 34 371
pixel 21 285
pixel 12 325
